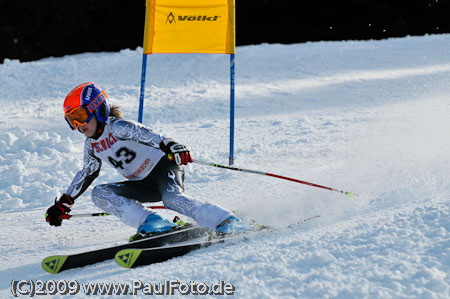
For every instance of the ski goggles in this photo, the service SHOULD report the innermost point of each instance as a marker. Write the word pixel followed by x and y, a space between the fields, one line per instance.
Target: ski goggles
pixel 78 116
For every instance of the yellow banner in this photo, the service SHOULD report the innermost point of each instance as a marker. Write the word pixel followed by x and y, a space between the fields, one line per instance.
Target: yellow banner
pixel 189 26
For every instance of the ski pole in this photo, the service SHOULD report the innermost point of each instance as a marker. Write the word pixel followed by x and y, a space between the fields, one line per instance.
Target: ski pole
pixel 348 193
pixel 68 216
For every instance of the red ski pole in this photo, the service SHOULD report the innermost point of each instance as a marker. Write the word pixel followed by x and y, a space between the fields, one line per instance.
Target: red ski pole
pixel 348 193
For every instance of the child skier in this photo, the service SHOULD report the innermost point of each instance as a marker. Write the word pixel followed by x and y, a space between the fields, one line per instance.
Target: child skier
pixel 151 163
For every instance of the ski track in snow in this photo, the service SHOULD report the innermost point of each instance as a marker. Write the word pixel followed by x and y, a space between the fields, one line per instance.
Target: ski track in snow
pixel 363 116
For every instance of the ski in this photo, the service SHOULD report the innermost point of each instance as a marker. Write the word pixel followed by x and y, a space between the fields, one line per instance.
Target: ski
pixel 135 257
pixel 58 263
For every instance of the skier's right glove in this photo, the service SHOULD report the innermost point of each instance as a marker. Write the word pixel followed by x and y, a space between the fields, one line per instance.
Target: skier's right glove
pixel 59 211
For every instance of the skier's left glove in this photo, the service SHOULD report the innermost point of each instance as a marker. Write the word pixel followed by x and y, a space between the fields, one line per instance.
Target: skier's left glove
pixel 59 211
pixel 175 151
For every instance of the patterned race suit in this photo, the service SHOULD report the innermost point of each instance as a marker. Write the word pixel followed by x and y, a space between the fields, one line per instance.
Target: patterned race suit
pixel 133 150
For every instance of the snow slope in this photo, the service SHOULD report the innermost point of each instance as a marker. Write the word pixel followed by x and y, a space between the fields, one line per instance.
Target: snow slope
pixel 364 116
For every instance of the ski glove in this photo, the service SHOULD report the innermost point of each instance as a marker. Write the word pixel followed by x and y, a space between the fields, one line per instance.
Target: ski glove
pixel 60 210
pixel 175 151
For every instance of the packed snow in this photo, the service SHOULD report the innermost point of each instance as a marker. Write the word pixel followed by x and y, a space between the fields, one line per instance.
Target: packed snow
pixel 371 117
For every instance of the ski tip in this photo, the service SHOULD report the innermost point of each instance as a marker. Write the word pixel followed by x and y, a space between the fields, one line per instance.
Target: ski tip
pixel 53 264
pixel 127 257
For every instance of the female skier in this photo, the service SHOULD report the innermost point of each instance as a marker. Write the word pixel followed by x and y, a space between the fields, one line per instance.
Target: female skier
pixel 151 163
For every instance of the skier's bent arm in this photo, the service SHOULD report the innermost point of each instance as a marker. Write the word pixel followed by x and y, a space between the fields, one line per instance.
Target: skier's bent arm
pixel 84 178
pixel 61 208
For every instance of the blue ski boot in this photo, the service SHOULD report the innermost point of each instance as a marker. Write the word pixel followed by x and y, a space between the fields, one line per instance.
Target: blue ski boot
pixel 232 225
pixel 153 225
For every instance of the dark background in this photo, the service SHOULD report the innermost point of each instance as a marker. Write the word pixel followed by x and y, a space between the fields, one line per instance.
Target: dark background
pixel 31 30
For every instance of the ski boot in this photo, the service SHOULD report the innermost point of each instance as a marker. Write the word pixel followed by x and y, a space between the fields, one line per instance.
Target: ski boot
pixel 153 225
pixel 232 225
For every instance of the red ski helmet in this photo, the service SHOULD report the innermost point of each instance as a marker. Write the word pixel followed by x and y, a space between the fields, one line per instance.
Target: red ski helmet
pixel 83 102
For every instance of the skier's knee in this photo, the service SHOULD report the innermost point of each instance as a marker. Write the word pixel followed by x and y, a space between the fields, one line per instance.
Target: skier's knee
pixel 173 201
pixel 98 195
pixel 168 203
